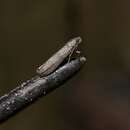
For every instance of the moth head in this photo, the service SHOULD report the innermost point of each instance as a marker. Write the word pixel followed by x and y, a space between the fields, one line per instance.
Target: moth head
pixel 75 41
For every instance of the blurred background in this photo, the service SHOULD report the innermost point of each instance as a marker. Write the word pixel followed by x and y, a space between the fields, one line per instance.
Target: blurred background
pixel 97 98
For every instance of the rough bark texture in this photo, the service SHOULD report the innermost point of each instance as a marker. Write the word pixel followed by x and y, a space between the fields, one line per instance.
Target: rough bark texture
pixel 36 87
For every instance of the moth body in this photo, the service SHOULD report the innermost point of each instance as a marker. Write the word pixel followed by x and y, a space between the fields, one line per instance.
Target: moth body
pixel 52 63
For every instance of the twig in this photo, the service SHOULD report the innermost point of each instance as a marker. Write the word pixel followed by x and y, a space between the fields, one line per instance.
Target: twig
pixel 31 90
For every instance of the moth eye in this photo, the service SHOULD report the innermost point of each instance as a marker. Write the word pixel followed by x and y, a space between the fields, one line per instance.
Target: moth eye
pixel 78 39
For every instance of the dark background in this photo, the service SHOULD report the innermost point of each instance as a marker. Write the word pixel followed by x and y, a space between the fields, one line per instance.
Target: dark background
pixel 97 98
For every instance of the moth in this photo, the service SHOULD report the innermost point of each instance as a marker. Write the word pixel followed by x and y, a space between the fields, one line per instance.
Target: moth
pixel 53 62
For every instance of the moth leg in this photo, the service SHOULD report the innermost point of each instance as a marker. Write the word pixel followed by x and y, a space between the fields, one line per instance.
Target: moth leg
pixel 78 52
pixel 71 53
